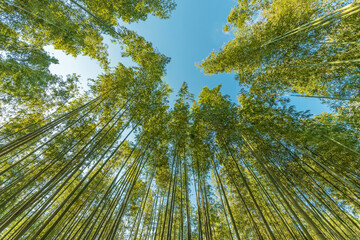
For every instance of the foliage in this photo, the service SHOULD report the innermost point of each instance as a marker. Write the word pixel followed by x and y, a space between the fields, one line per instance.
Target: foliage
pixel 118 162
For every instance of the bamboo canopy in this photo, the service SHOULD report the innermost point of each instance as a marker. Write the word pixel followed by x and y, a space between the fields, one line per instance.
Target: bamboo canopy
pixel 118 162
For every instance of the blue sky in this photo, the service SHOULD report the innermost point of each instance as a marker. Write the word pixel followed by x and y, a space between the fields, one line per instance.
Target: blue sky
pixel 191 33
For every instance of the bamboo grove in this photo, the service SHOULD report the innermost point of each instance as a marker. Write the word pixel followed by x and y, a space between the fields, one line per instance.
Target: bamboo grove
pixel 117 162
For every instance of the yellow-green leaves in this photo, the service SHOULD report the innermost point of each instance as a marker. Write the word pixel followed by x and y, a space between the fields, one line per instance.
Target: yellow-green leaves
pixel 297 46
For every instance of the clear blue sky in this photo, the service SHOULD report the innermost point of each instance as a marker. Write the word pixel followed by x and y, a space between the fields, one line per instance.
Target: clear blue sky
pixel 194 29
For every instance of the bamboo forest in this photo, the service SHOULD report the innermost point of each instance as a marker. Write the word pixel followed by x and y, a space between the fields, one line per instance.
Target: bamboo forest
pixel 119 160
